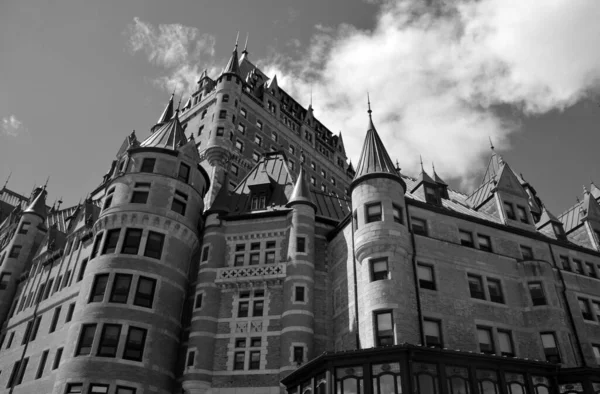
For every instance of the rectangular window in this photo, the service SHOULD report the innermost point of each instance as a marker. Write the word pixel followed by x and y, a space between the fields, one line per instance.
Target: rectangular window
pixel 431 195
pixel 510 211
pixel 396 210
pixel 13 375
pixel 205 251
pixel 298 355
pixel 70 313
pixel 485 243
pixel 234 169
pixel 134 346
pixel 466 238
pixel 239 145
pixel 527 252
pixel 384 328
pixel 596 349
pixel 148 165
pixel 99 288
pixel 131 243
pixel 140 193
pixel 54 321
pixel 254 258
pixel 144 295
pixel 270 257
pixel 95 248
pixel 82 268
pixel 27 333
pixel 419 226
pixel 300 244
pixel 10 340
pixel 109 340
pixel 243 308
pixel 190 359
pixel 222 114
pixel 591 270
pixel 198 301
pixel 107 202
pixel 258 140
pixel 550 347
pixel 433 333
pixel 238 361
pixel 476 286
pixel 238 260
pixel 179 203
pixel 254 360
pixel 586 311
pixel 154 245
pixel 241 128
pixel 42 364
pixel 22 371
pixel 120 289
pixel 255 156
pixel 379 269
pixel 4 281
pixel 112 238
pixel 505 341
pixel 220 131
pixel 578 267
pixel 24 227
pixel 125 390
pixel 484 336
pixel 184 173
pixel 495 291
pixel 98 388
pixel 564 261
pixel 373 212
pixel 15 251
pixel 57 358
pixel 299 294
pixel 258 308
pixel 86 340
pixel 425 274
pixel 35 328
pixel 243 112
pixel 596 307
pixel 522 213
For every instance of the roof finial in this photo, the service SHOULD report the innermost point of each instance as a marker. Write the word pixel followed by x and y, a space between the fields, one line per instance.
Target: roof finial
pixel 577 198
pixel 8 178
pixel 236 40
pixel 46 184
pixel 369 104
pixel 246 45
pixel 179 104
pixel 433 167
pixel 491 143
pixel 397 165
pixel 421 159
pixel 310 105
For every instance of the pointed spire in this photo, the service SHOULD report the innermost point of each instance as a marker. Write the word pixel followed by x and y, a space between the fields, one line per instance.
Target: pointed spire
pixel 167 113
pixel 233 66
pixel 301 193
pixel 245 51
pixel 374 158
pixel 38 205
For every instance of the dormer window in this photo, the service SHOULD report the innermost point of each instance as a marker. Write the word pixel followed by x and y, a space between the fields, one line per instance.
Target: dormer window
pixel 558 231
pixel 259 201
pixel 510 211
pixel 431 195
pixel 522 213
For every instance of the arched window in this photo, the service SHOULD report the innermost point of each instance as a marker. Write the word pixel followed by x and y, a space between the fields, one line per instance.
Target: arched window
pixel 515 383
pixel 386 378
pixel 320 383
pixel 306 387
pixel 349 380
pixel 458 380
pixel 487 381
pixel 426 378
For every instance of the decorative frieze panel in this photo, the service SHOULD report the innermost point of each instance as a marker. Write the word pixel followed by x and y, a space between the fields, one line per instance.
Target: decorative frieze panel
pixel 267 273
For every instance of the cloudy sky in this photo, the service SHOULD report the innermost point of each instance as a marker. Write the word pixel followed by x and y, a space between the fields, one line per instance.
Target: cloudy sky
pixel 444 76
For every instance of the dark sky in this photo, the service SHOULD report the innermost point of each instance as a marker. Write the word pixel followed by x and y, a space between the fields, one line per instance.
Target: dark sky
pixel 72 88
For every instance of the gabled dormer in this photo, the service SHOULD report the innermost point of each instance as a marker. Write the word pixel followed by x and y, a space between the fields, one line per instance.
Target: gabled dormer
pixel 427 188
pixel 513 199
pixel 549 225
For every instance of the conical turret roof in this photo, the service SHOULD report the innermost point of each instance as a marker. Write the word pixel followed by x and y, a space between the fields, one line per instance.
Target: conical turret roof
pixel 301 193
pixel 374 158
pixel 223 198
pixel 233 65
pixel 170 136
pixel 167 113
pixel 38 205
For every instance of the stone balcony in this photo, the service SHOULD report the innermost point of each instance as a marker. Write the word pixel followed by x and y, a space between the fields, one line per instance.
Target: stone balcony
pixel 264 274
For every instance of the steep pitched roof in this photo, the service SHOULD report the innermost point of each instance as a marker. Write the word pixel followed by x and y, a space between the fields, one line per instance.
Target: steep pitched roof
pixel 301 192
pixel 233 65
pixel 167 113
pixel 169 136
pixel 437 178
pixel 38 205
pixel 374 158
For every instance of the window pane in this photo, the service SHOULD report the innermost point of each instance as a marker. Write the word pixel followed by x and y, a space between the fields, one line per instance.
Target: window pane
pixel 154 245
pixel 109 340
pixel 144 295
pixel 134 347
pixel 86 340
pixel 110 245
pixel 131 244
pixel 99 288
pixel 120 290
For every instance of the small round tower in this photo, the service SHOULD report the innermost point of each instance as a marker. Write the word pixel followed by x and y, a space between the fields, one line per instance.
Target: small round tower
pixel 382 245
pixel 126 325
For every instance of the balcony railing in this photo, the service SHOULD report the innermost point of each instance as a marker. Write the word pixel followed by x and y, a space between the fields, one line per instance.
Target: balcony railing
pixel 255 273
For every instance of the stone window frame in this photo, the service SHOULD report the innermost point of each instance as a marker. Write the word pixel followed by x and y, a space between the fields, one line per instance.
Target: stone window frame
pixel 424 227
pixel 376 332
pixel 292 347
pixel 465 238
pixel 440 328
pixel 525 255
pixel 373 218
pixel 200 295
pixel 372 272
pixel 545 298
pixel 554 353
pixel 490 332
pixel 305 295
pixel 190 356
pixel 433 282
pixel 251 298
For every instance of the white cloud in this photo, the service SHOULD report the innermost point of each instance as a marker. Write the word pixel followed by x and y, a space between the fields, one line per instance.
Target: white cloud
pixel 12 127
pixel 435 74
pixel 175 47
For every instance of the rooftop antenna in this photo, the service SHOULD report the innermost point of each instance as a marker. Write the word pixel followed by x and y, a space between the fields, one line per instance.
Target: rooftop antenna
pixel 8 178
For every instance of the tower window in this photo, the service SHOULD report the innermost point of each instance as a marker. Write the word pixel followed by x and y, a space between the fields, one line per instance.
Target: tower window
pixel 220 131
pixel 179 203
pixel 550 347
pixel 299 293
pixel 495 290
pixel 109 340
pixel 425 274
pixel 120 289
pixel 379 269
pixel 433 333
pixel 144 295
pixel 184 172
pixel 24 227
pixel 96 246
pixel 140 193
pixel 476 287
pixel 300 245
pixel 522 213
pixel 484 336
pixel 298 354
pixel 384 328
pixel 154 245
pixel 86 340
pixel 131 243
pixel 397 211
pixel 112 238
pixel 527 252
pixel 466 238
pixel 222 114
pixel 373 212
pixel 198 301
pixel 134 346
pixel 15 251
pixel 190 358
pixel 510 211
pixel 225 98
pixel 99 288
pixel 148 165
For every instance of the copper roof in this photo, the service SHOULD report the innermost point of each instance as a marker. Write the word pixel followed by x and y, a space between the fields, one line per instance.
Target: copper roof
pixel 169 136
